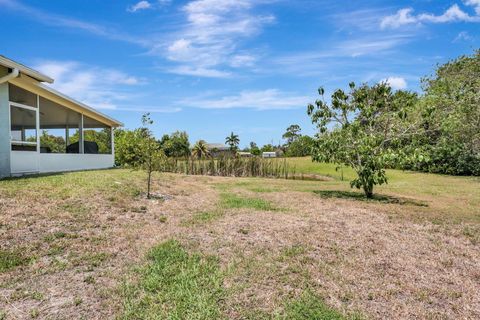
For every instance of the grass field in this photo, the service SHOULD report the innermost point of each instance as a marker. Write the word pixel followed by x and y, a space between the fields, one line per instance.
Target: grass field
pixel 88 245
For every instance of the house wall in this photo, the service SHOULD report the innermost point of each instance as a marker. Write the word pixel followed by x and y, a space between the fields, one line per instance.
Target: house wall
pixel 4 128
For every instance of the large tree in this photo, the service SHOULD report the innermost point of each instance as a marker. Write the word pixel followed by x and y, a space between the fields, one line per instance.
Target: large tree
pixel 127 142
pixel 254 149
pixel 292 133
pixel 451 111
pixel 233 141
pixel 55 144
pixel 300 147
pixel 360 129
pixel 176 145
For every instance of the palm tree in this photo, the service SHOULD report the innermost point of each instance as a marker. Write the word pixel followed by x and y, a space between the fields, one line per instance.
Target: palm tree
pixel 200 150
pixel 233 140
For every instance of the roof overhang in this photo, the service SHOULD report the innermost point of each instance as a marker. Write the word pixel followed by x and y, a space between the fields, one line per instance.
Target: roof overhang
pixel 4 61
pixel 31 84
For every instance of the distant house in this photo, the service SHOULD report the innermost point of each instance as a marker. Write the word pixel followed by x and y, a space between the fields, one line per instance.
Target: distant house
pixel 269 154
pixel 43 130
pixel 217 150
pixel 243 154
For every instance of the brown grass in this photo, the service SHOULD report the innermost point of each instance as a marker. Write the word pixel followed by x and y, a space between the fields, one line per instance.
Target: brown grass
pixel 81 233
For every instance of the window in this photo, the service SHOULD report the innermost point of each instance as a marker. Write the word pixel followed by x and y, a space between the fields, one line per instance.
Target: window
pixel 97 136
pixel 23 128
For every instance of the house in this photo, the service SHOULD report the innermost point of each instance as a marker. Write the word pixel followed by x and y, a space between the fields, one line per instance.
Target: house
pixel 217 150
pixel 43 130
pixel 269 154
pixel 243 154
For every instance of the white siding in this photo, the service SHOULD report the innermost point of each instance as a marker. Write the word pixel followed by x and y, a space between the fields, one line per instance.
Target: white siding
pixel 31 162
pixel 72 162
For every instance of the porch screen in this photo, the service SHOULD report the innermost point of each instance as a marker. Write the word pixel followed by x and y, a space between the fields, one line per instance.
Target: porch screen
pixel 97 136
pixel 59 127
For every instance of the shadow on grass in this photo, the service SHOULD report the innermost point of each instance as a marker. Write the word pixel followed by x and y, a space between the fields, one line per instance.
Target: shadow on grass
pixel 352 195
pixel 32 176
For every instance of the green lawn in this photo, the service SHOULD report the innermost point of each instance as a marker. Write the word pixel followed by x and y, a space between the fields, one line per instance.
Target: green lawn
pixel 457 198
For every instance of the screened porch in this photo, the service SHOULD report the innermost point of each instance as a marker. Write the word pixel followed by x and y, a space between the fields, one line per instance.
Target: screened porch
pixel 47 136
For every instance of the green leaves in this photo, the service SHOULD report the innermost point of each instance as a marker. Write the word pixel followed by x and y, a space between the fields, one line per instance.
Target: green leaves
pixel 357 128
pixel 233 141
pixel 450 111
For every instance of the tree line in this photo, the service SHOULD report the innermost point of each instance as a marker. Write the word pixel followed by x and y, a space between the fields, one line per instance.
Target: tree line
pixel 177 145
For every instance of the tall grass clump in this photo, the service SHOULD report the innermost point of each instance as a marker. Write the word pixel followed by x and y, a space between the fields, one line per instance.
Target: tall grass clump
pixel 232 167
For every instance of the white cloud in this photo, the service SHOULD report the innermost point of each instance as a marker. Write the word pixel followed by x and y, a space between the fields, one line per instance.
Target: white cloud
pixel 475 4
pixel 209 39
pixel 199 72
pixel 397 83
pixel 242 60
pixel 402 17
pixel 141 5
pixel 179 50
pixel 463 36
pixel 271 99
pixel 453 14
pixel 339 56
pixel 205 44
pixel 369 45
pixel 98 87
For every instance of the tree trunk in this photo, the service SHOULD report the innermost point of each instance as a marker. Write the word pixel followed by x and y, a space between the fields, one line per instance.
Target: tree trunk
pixel 368 189
pixel 148 182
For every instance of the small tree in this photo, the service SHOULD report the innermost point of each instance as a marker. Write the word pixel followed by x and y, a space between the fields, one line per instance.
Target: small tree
pixel 149 154
pixel 360 129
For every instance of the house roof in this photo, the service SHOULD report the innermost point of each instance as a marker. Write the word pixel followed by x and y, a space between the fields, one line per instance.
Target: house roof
pixel 218 146
pixel 31 80
pixel 4 61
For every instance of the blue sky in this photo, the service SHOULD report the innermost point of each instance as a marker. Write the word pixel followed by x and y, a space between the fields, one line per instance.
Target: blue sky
pixel 215 66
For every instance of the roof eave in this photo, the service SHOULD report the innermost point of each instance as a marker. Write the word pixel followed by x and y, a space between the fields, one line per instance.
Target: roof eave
pixel 25 70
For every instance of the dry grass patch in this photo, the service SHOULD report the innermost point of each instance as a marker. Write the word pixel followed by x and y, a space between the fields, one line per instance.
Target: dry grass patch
pixel 85 229
pixel 381 259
